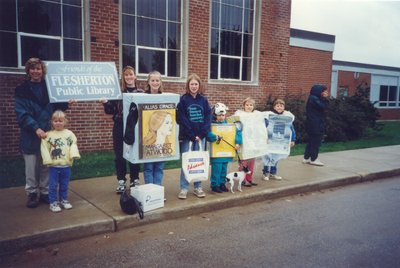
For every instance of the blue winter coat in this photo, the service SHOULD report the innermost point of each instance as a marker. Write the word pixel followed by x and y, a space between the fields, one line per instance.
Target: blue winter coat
pixel 315 111
pixel 33 111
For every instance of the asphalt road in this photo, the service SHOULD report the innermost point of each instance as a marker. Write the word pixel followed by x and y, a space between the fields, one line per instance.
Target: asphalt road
pixel 352 226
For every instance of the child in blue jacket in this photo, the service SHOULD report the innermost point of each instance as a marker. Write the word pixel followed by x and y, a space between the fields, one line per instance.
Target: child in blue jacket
pixel 219 165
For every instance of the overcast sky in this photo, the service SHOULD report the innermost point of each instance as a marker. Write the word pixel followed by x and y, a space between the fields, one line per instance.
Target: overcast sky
pixel 367 31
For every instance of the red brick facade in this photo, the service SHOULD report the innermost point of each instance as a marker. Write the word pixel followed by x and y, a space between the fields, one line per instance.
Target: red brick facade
pixel 281 68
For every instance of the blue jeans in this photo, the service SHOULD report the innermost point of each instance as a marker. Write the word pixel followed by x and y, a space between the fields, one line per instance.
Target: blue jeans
pixel 153 172
pixel 184 184
pixel 59 176
pixel 270 163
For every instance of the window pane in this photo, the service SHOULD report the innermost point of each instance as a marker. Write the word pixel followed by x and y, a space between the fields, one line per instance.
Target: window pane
pixel 174 10
pixel 214 67
pixel 233 2
pixel 7 16
pixel 151 33
pixel 72 50
pixel 214 41
pixel 73 2
pixel 249 4
pixel 174 61
pixel 248 21
pixel 8 49
pixel 151 60
pixel 246 69
pixel 174 33
pixel 231 43
pixel 39 17
pixel 128 55
pixel 231 18
pixel 230 68
pixel 392 93
pixel 215 15
pixel 247 45
pixel 152 8
pixel 128 29
pixel 45 49
pixel 383 93
pixel 128 6
pixel 72 22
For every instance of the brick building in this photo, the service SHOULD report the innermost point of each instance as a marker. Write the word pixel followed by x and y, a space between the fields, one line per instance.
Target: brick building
pixel 239 49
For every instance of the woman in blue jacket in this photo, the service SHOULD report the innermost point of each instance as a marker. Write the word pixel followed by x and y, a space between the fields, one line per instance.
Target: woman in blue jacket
pixel 316 106
pixel 34 112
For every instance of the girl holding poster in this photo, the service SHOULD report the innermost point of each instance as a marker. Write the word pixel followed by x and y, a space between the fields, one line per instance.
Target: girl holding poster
pixel 115 108
pixel 194 119
pixel 160 126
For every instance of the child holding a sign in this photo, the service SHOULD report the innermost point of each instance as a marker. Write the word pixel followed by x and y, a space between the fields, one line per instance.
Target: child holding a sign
pixel 154 171
pixel 115 108
pixel 248 108
pixel 271 160
pixel 219 165
pixel 194 119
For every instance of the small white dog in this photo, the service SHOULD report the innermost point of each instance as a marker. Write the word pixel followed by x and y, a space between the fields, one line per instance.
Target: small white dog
pixel 237 176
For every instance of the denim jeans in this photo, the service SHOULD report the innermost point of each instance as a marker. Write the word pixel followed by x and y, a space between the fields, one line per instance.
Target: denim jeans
pixel 153 172
pixel 59 176
pixel 184 184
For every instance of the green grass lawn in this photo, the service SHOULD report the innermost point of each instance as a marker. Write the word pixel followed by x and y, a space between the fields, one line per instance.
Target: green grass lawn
pixel 99 164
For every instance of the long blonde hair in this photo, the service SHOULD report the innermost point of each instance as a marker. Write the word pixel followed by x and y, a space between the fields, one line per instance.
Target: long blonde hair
pixel 148 87
pixel 155 121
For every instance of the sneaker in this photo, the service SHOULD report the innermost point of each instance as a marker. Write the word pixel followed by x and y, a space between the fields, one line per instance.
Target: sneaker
pixel 32 200
pixel 275 177
pixel 216 189
pixel 316 162
pixel 134 183
pixel 183 194
pixel 44 198
pixel 253 183
pixel 121 187
pixel 266 176
pixel 55 207
pixel 306 161
pixel 246 183
pixel 65 204
pixel 199 192
pixel 223 188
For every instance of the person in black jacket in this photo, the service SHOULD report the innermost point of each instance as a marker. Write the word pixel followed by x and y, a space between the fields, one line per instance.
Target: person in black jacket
pixel 115 107
pixel 34 111
pixel 316 107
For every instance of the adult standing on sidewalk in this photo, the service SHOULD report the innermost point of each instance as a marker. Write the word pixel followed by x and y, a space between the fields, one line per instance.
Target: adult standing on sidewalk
pixel 34 111
pixel 316 107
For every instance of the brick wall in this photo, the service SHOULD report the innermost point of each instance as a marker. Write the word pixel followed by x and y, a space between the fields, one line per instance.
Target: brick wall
pixel 93 127
pixel 347 79
pixel 308 67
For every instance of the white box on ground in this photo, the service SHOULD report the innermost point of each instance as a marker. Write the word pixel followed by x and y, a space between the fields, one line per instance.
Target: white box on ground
pixel 151 196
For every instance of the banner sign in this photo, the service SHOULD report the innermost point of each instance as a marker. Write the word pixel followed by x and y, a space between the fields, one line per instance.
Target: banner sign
pixel 82 81
pixel 156 131
pixel 222 149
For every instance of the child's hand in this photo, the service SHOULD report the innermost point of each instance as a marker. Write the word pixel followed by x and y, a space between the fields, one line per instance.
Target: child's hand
pixel 103 100
pixel 237 146
pixel 292 143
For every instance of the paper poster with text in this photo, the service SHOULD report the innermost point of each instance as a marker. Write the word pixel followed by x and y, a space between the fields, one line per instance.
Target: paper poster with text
pixel 223 148
pixel 152 119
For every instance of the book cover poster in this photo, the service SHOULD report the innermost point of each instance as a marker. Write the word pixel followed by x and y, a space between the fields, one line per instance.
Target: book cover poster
pixel 157 130
pixel 153 127
pixel 222 148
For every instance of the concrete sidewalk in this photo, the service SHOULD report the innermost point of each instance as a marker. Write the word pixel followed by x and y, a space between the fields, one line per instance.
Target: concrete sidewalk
pixel 96 205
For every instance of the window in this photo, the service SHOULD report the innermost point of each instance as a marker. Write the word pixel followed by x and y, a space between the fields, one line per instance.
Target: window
pixel 49 30
pixel 151 36
pixel 232 38
pixel 388 96
pixel 343 92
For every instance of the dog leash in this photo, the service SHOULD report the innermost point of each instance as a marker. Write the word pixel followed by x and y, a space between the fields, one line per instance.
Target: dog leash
pixel 220 138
